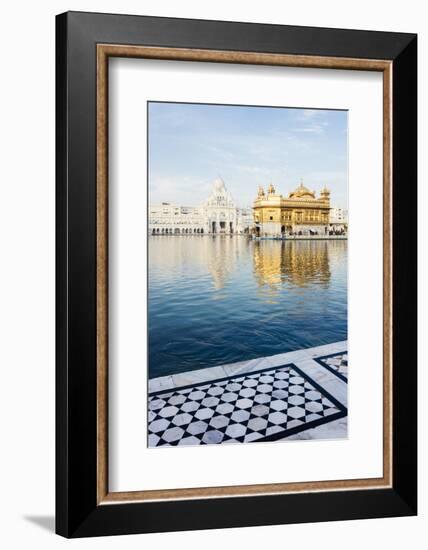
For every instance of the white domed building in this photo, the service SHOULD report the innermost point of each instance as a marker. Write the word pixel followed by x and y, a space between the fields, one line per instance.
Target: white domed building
pixel 219 215
pixel 220 210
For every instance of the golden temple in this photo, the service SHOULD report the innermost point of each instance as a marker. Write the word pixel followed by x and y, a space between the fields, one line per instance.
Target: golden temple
pixel 301 213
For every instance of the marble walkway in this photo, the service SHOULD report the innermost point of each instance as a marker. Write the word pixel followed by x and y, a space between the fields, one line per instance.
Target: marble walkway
pixel 295 395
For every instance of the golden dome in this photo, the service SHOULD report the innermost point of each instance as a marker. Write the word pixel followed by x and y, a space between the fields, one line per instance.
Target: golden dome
pixel 301 192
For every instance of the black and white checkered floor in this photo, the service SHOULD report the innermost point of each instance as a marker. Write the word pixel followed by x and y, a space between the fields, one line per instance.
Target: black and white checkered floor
pixel 258 406
pixel 336 363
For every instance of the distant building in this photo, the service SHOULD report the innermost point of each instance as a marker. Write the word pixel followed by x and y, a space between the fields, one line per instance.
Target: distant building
pixel 220 210
pixel 169 218
pixel 218 215
pixel 299 213
pixel 338 219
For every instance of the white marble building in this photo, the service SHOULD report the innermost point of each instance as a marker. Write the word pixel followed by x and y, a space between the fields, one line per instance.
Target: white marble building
pixel 338 219
pixel 220 209
pixel 218 215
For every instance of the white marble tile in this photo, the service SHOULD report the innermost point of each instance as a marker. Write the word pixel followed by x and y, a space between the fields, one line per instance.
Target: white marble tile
pixel 295 412
pixel 231 369
pixel 278 418
pixel 279 404
pixel 273 430
pixel 219 422
pixel 339 391
pixel 190 406
pixel 294 423
pixel 190 440
pixel 198 376
pixel 247 397
pixel 302 354
pixel 326 379
pixel 204 414
pixel 181 419
pixel 153 440
pixel 257 424
pixel 213 436
pixel 283 358
pixel 240 416
pixel 236 430
pixel 160 383
pixel 168 412
pixel 338 429
pixel 254 436
pixel 197 427
pixel 225 408
pixel 156 404
pixel 327 349
pixel 159 425
pixel 172 434
pixel 247 366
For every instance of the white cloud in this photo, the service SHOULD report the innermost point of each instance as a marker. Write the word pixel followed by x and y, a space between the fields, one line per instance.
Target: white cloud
pixel 303 144
pixel 315 129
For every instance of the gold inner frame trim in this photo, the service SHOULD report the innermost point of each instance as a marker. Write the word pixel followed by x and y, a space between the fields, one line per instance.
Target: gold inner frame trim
pixel 104 51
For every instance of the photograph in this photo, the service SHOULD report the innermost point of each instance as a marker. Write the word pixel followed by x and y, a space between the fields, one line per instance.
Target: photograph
pixel 247 274
pixel 210 213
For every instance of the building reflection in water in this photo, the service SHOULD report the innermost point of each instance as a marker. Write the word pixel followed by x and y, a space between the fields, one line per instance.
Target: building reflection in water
pixel 275 263
pixel 217 256
pixel 215 300
pixel 296 263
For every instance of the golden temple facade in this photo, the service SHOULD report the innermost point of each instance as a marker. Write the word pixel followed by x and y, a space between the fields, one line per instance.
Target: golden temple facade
pixel 300 213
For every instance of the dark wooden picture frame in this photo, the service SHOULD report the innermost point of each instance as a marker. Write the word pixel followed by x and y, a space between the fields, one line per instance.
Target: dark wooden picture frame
pixel 84 505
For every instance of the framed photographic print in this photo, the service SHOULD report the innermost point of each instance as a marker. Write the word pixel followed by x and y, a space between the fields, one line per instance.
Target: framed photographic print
pixel 236 285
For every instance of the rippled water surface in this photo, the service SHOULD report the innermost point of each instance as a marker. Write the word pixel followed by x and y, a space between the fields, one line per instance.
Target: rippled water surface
pixel 217 300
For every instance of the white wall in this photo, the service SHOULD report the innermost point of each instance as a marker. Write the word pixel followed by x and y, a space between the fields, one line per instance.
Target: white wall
pixel 27 270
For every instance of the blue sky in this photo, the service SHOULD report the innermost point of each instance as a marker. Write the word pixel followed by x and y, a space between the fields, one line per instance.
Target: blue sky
pixel 190 145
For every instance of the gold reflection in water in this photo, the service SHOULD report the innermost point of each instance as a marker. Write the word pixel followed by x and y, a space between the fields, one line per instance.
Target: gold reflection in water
pixel 275 263
pixel 297 263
